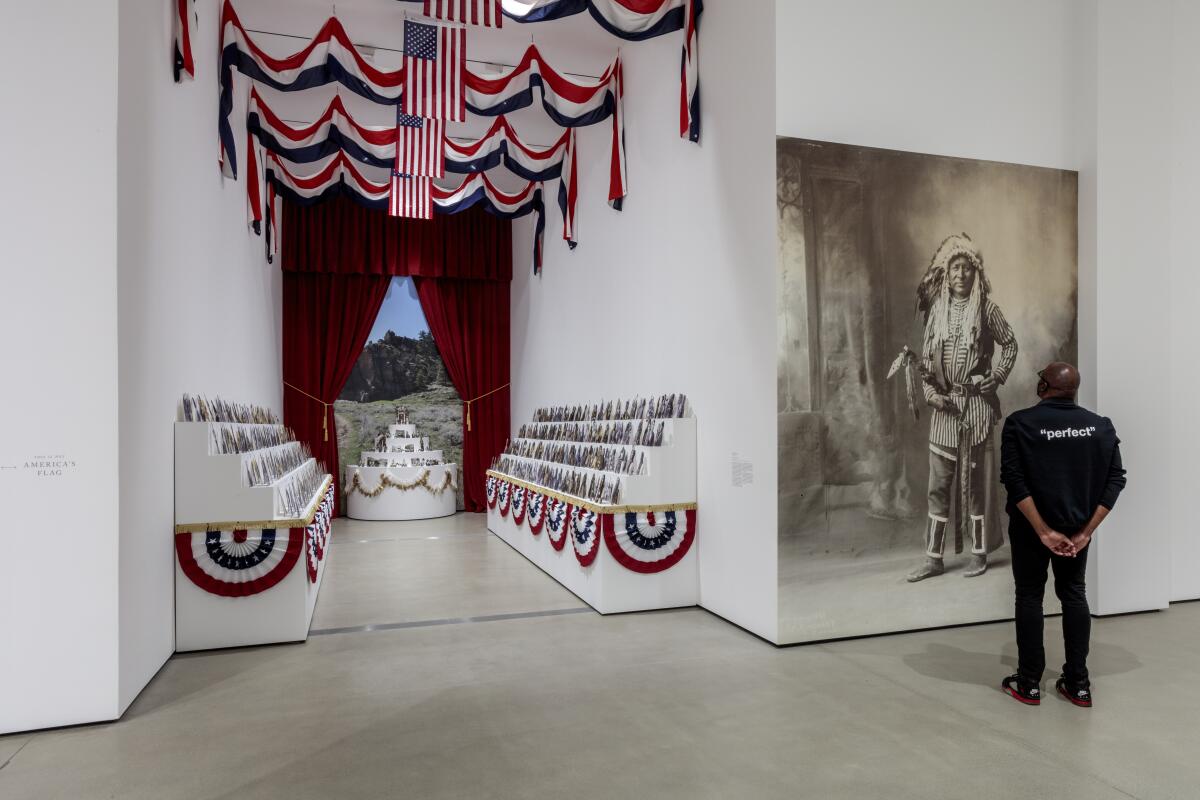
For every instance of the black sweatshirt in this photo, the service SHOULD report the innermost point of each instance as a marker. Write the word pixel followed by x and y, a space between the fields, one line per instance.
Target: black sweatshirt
pixel 1064 456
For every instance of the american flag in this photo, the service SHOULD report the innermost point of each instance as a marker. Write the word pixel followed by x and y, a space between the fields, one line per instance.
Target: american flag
pixel 473 12
pixel 420 146
pixel 435 61
pixel 412 197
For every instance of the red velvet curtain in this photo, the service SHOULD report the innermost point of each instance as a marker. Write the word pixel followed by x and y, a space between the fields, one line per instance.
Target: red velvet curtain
pixel 339 235
pixel 326 321
pixel 469 320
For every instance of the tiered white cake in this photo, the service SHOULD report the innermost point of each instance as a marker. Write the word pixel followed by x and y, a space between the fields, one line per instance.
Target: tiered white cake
pixel 250 522
pixel 402 479
pixel 402 448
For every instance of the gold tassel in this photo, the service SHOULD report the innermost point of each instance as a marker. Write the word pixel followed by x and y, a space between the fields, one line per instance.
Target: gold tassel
pixel 474 399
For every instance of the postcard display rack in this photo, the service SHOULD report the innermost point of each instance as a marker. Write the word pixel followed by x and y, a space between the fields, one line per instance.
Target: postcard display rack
pixel 253 510
pixel 603 499
pixel 402 479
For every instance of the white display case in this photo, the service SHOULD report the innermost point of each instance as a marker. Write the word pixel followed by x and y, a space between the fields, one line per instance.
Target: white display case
pixel 627 571
pixel 247 569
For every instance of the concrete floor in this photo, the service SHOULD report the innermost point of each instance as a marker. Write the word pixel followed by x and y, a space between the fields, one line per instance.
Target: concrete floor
pixel 667 704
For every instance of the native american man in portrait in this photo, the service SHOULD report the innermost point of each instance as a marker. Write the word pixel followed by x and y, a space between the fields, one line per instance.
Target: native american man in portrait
pixel 968 353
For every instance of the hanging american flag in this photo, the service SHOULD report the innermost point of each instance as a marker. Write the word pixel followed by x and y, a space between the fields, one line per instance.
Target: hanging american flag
pixel 420 146
pixel 183 65
pixel 473 12
pixel 411 196
pixel 435 61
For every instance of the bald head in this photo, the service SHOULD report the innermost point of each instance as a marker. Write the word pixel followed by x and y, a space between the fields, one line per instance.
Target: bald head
pixel 1058 379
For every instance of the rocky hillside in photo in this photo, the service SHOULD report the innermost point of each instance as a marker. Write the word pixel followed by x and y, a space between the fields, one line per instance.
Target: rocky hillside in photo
pixel 395 366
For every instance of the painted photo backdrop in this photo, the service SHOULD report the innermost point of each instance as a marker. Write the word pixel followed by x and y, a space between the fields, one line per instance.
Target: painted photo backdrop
pixel 858 230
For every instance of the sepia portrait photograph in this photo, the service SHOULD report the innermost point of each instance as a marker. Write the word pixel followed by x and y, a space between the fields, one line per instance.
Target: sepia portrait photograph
pixel 918 297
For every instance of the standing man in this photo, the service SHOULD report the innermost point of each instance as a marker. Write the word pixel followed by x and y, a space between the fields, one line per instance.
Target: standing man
pixel 1061 465
pixel 968 352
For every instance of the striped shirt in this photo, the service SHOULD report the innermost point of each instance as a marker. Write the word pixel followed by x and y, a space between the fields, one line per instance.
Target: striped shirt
pixel 959 359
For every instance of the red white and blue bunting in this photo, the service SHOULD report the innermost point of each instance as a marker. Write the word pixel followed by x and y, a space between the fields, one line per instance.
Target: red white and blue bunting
pixel 637 20
pixel 239 562
pixel 642 541
pixel 336 131
pixel 329 57
pixel 568 103
pixel 182 63
pixel 558 521
pixel 585 535
pixel 339 175
pixel 518 505
pixel 505 497
pixel 537 512
pixel 478 189
pixel 317 535
pixel 651 541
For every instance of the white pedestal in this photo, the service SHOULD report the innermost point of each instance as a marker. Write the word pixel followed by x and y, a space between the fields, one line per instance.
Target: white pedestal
pixel 397 504
pixel 606 585
pixel 283 613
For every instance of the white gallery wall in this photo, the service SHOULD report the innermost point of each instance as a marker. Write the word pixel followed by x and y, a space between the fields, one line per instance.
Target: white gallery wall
pixel 1183 385
pixel 1101 87
pixel 676 292
pixel 199 306
pixel 58 336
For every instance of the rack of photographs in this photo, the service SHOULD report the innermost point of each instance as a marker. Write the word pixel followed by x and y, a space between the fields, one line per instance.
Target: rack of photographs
pixel 599 452
pixel 197 408
pixel 236 462
pixel 602 497
pixel 645 432
pixel 667 406
pixel 622 460
pixel 599 488
pixel 264 467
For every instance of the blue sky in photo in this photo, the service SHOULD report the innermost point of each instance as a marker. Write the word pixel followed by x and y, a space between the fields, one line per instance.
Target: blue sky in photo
pixel 400 312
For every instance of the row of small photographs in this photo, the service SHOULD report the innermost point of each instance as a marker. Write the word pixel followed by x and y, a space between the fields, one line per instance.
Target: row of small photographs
pixel 626 461
pixel 226 438
pixel 264 467
pixel 299 491
pixel 666 406
pixel 602 489
pixel 381 444
pixel 198 408
pixel 646 433
pixel 402 462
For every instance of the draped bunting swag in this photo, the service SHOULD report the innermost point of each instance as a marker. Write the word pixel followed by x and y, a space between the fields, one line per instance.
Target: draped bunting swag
pixel 181 52
pixel 338 175
pixel 330 57
pixel 569 104
pixel 638 20
pixel 336 131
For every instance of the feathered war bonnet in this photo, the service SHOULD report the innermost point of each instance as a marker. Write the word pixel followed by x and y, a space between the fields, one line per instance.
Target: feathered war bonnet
pixel 933 292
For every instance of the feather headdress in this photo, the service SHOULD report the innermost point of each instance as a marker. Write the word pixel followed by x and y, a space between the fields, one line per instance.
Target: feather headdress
pixel 933 292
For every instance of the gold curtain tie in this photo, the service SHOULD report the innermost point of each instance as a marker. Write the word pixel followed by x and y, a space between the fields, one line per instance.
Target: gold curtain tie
pixel 324 410
pixel 486 394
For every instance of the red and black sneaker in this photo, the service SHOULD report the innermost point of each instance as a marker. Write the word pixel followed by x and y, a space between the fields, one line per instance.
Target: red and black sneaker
pixel 1076 694
pixel 1018 690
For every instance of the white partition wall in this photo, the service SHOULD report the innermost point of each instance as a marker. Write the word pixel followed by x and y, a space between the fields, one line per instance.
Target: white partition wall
pixel 1104 88
pixel 58 336
pixel 1184 384
pixel 1131 565
pixel 676 293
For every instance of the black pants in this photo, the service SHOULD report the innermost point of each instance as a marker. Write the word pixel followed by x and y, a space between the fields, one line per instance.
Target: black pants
pixel 1029 561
